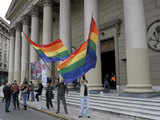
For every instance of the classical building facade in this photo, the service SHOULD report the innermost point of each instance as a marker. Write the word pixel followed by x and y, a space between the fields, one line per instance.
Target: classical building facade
pixel 126 29
pixel 4 50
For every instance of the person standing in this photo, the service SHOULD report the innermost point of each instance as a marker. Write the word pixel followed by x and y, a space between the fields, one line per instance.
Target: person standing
pixel 25 90
pixel 15 94
pixel 84 97
pixel 49 96
pixel 61 89
pixel 7 96
pixel 38 95
pixel 31 89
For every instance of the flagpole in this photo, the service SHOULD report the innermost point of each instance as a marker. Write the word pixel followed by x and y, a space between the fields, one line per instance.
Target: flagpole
pixel 46 65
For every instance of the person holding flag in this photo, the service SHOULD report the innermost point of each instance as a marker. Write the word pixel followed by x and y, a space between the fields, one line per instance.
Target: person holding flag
pixel 84 97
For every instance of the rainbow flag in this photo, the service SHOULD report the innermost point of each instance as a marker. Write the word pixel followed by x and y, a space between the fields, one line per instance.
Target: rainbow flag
pixel 55 51
pixel 82 60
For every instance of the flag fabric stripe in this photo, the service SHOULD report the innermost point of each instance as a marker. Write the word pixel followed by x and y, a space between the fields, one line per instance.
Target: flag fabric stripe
pixel 52 52
pixel 75 66
pixel 51 48
pixel 92 45
pixel 74 57
pixel 94 37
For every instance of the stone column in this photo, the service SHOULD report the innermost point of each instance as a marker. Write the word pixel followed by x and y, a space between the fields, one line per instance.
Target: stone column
pixel 139 80
pixel 47 27
pixel 25 50
pixel 34 33
pixel 65 23
pixel 17 62
pixel 11 56
pixel 94 76
pixel 34 36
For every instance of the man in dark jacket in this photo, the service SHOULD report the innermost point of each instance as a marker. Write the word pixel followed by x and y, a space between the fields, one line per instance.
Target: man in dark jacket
pixel 38 95
pixel 49 96
pixel 61 89
pixel 7 96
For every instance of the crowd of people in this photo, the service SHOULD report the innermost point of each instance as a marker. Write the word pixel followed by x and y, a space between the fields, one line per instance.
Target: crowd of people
pixel 14 92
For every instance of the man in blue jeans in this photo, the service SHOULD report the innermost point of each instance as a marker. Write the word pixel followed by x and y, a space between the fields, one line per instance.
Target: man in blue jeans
pixel 84 97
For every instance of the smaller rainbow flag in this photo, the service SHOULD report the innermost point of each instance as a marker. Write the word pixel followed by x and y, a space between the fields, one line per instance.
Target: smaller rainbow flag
pixel 82 60
pixel 55 51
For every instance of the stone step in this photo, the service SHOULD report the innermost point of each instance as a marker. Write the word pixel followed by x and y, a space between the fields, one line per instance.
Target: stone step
pixel 153 102
pixel 127 104
pixel 107 100
pixel 126 101
pixel 122 107
pixel 103 96
pixel 140 107
pixel 116 109
pixel 124 112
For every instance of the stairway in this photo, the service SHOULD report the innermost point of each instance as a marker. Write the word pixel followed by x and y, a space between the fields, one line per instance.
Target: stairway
pixel 139 107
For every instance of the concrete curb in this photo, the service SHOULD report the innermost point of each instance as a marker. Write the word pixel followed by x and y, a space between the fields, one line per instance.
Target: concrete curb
pixel 62 117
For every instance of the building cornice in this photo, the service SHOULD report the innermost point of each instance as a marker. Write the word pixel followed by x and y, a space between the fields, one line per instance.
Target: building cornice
pixel 23 10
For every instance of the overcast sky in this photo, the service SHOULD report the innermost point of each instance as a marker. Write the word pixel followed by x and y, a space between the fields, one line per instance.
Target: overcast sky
pixel 4 5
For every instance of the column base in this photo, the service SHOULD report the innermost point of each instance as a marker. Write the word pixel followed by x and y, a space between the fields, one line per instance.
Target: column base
pixel 142 89
pixel 93 87
pixel 140 95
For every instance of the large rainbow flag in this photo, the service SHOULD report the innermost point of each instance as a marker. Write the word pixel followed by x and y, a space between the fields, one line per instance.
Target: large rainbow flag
pixel 83 59
pixel 54 51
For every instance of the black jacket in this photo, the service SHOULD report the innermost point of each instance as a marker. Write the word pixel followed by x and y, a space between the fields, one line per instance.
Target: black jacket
pixel 39 91
pixel 49 92
pixel 61 88
pixel 7 92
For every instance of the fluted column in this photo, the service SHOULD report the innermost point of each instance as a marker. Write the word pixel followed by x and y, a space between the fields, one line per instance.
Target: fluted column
pixel 25 50
pixel 94 76
pixel 17 62
pixel 11 56
pixel 65 23
pixel 139 80
pixel 34 33
pixel 47 26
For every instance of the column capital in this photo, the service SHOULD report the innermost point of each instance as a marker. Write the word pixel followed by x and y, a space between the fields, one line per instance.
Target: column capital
pixel 35 11
pixel 26 20
pixel 12 32
pixel 18 26
pixel 47 2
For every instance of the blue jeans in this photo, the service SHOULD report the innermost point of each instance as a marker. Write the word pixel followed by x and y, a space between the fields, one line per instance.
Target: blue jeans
pixel 83 100
pixel 32 95
pixel 25 96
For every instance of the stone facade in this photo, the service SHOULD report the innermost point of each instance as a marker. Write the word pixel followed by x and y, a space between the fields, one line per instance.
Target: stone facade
pixel 111 27
pixel 4 50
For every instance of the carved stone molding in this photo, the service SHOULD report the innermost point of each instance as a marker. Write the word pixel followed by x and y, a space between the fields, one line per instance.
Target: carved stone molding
pixel 24 10
pixel 12 32
pixel 18 26
pixel 26 20
pixel 35 11
pixel 47 2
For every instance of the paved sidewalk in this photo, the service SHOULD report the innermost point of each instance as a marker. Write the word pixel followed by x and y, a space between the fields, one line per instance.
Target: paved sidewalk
pixel 74 113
